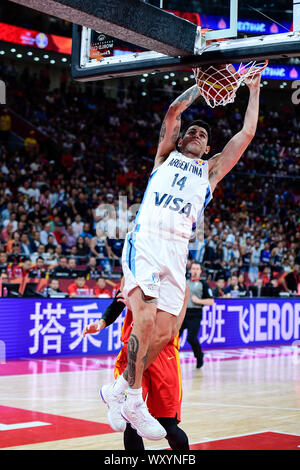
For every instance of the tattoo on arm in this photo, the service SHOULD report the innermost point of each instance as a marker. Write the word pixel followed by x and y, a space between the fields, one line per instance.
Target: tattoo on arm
pixel 132 351
pixel 189 96
pixel 162 132
pixel 175 134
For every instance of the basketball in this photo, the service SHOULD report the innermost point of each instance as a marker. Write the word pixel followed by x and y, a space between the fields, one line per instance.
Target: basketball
pixel 216 82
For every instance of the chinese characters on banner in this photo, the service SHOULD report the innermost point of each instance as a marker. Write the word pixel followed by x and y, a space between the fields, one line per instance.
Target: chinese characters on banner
pixel 54 323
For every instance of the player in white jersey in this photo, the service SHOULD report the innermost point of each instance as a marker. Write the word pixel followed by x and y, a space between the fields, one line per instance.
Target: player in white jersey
pixel 155 252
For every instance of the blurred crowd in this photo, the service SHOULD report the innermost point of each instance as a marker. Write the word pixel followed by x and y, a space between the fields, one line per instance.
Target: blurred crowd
pixel 70 191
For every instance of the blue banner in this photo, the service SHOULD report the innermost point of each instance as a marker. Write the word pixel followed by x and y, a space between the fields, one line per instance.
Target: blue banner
pixel 278 72
pixel 53 327
pixel 246 25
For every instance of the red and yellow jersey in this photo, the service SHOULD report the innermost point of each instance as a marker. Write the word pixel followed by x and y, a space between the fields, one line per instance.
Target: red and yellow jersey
pixel 161 384
pixel 127 326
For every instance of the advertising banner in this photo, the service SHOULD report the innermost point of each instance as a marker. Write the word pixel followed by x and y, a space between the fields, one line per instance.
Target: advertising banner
pixel 32 328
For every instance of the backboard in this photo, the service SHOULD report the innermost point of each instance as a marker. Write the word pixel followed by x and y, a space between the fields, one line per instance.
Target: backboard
pixel 234 33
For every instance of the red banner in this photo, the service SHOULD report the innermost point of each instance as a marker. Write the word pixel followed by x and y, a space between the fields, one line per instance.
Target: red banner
pixel 39 40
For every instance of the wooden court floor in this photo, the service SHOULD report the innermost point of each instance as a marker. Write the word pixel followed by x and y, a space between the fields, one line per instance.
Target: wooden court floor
pixel 240 399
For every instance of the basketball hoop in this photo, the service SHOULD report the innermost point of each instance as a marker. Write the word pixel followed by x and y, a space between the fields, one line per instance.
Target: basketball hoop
pixel 218 84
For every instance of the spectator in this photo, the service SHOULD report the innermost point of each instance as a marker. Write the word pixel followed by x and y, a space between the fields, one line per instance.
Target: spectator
pixel 44 199
pixel 254 261
pixel 70 237
pixel 31 143
pixel 39 252
pixel 276 257
pixel 265 256
pixel 3 262
pixel 82 250
pixel 72 267
pixel 99 249
pixel 12 220
pixel 44 235
pixel 290 281
pixel 59 232
pixel 92 272
pixel 34 240
pixel 274 288
pixel 79 288
pixel 86 232
pixel 51 243
pixel 15 240
pixel 35 214
pixel 33 191
pixel 26 267
pixel 52 289
pixel 246 251
pixel 242 284
pixel 38 270
pixel 232 288
pixel 7 233
pixel 62 270
pixel 64 245
pixel 218 290
pixel 265 275
pixel 5 125
pixel 77 225
pixel 4 279
pixel 25 245
pixel 81 205
pixel 256 290
pixel 115 247
pixel 15 256
pixel 100 290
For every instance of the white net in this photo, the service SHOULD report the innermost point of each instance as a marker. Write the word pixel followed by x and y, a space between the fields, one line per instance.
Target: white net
pixel 218 84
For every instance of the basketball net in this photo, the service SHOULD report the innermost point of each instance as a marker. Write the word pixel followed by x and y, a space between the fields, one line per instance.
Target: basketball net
pixel 218 84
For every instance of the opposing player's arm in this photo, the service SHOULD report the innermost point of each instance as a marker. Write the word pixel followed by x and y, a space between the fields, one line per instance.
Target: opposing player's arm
pixel 112 312
pixel 223 162
pixel 170 128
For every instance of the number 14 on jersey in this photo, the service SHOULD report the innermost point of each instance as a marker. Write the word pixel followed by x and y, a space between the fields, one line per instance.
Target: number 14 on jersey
pixel 180 182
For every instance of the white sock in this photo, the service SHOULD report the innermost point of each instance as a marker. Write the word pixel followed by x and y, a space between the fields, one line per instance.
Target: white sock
pixel 134 395
pixel 120 385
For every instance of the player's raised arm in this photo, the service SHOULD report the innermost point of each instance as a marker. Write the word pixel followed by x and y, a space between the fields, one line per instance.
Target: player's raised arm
pixel 170 128
pixel 223 162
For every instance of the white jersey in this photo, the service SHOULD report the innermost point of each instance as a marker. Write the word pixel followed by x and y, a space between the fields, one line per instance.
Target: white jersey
pixel 175 198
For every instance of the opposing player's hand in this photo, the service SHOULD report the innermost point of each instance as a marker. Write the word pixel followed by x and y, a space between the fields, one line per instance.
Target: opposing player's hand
pixel 93 328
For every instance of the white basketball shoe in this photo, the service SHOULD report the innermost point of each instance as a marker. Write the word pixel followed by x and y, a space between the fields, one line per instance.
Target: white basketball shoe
pixel 141 420
pixel 114 402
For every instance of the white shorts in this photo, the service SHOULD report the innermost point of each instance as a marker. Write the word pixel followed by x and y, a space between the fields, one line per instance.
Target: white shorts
pixel 158 267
